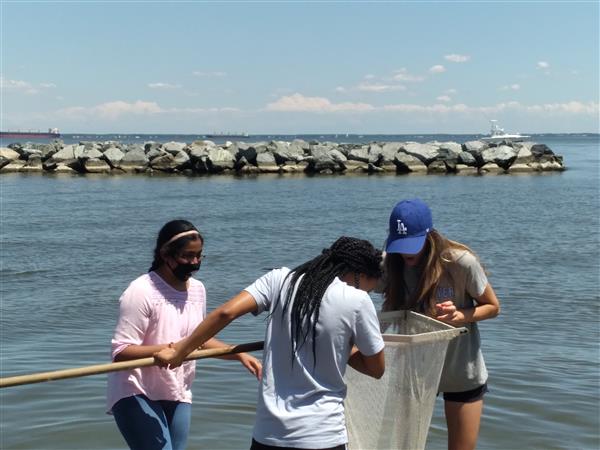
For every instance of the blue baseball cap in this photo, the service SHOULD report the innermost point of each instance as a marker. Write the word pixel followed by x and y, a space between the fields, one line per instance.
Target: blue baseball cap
pixel 410 222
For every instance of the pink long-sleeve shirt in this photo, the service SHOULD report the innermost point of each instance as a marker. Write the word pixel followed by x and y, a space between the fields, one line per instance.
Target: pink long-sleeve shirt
pixel 151 312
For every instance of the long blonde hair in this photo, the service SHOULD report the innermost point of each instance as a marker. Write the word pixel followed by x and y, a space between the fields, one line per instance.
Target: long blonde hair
pixel 437 255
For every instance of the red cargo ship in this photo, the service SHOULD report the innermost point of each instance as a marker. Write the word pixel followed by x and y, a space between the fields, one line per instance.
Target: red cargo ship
pixel 31 134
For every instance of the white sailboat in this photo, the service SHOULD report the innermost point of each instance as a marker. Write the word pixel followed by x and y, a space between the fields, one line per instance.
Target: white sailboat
pixel 498 134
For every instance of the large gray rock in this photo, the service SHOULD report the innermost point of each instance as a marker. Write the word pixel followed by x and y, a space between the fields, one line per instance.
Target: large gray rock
pixel 151 145
pixel 338 156
pixel 266 163
pixel 134 161
pixel 249 151
pixel 524 155
pixel 294 167
pixel 463 169
pixel 321 160
pixel 174 147
pixel 466 159
pixel 305 146
pixel 12 166
pixel 427 153
pixel 63 168
pixel 502 155
pixel 164 162
pixel 360 154
pixel 219 160
pixel 96 165
pixel 284 153
pixel 113 156
pixel 27 152
pixel 388 153
pixel 452 147
pixel 34 164
pixel 92 153
pixel 408 163
pixel 474 146
pixel 491 169
pixel 67 154
pixel 438 167
pixel 8 154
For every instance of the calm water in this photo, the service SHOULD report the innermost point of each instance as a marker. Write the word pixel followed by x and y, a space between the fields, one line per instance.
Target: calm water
pixel 71 245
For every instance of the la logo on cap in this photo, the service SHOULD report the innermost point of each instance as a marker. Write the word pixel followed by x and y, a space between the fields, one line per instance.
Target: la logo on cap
pixel 402 228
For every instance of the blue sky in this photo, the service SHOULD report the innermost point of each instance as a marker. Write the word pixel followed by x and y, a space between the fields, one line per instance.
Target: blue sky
pixel 300 67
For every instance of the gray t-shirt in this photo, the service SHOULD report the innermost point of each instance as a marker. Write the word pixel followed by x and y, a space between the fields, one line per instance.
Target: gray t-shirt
pixel 464 279
pixel 301 405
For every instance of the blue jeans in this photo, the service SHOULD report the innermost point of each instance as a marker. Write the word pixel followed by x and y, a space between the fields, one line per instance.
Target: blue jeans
pixel 153 425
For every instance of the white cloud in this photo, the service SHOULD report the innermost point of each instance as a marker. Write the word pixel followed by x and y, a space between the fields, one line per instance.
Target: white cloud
pixel 444 98
pixel 457 58
pixel 224 109
pixel 340 89
pixel 116 109
pixel 572 107
pixel 378 87
pixel 17 85
pixel 113 110
pixel 403 75
pixel 369 76
pixel 450 91
pixel 299 103
pixel 543 65
pixel 511 87
pixel 160 85
pixel 437 108
pixel 437 69
pixel 23 86
pixel 210 74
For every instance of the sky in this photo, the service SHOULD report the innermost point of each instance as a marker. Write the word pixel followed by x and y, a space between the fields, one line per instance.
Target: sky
pixel 300 67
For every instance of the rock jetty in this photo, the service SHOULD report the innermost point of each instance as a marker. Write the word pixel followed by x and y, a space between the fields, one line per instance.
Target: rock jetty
pixel 298 156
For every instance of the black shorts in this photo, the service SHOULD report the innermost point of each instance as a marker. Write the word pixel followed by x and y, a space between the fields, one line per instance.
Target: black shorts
pixel 467 396
pixel 258 446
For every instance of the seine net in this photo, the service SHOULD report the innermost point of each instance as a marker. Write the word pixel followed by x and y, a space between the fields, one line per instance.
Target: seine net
pixel 395 411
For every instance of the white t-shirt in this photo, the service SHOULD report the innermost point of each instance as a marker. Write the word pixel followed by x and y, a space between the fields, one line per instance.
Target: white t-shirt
pixel 301 404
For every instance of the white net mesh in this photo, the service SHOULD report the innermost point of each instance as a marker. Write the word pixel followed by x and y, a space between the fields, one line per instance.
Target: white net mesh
pixel 395 411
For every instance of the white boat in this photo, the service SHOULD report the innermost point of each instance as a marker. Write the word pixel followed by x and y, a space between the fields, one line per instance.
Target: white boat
pixel 498 134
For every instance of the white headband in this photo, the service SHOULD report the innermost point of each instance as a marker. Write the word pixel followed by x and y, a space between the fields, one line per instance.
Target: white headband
pixel 180 235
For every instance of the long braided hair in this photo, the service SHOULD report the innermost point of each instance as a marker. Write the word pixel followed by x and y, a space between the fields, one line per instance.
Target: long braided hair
pixel 170 229
pixel 312 279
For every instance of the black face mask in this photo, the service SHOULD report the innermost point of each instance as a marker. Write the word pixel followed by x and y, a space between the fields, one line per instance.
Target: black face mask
pixel 183 271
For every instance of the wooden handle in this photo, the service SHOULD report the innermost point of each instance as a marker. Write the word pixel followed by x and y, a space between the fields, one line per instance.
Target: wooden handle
pixel 123 365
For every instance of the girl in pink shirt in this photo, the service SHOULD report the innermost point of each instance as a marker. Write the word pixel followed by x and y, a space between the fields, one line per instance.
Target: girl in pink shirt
pixel 152 406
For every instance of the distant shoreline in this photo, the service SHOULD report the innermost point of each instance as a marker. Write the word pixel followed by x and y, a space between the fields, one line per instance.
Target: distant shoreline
pixel 204 157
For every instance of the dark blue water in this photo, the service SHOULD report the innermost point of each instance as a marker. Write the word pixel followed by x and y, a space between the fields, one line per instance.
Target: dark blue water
pixel 71 244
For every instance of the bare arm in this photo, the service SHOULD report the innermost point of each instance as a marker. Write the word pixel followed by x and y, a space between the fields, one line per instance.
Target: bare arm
pixel 253 365
pixel 218 319
pixel 487 307
pixel 139 351
pixel 374 365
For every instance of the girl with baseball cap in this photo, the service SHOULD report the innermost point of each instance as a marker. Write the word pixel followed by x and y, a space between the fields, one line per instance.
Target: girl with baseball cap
pixel 430 274
pixel 152 406
pixel 320 318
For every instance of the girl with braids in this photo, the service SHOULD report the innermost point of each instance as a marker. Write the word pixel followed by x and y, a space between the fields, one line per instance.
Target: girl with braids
pixel 152 406
pixel 433 275
pixel 320 319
